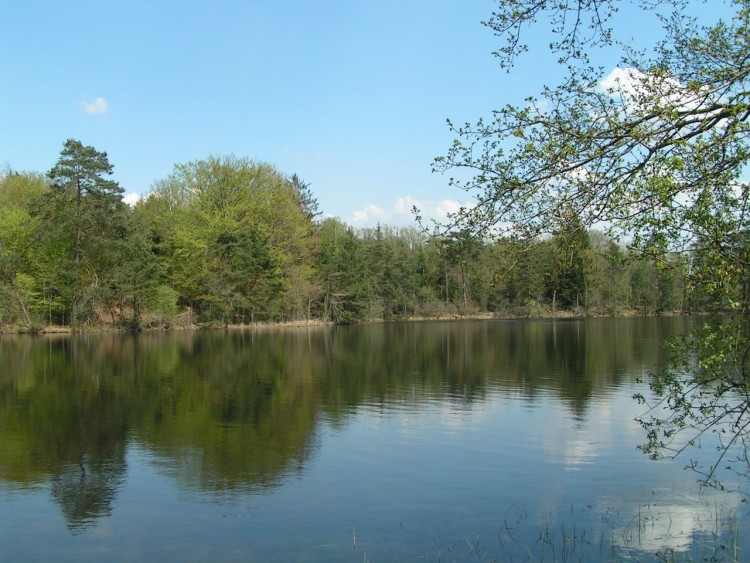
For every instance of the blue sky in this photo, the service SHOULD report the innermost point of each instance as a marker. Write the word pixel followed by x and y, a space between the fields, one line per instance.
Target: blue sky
pixel 350 95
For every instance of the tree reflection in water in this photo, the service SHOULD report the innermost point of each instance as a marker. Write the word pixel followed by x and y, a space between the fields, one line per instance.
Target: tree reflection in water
pixel 229 413
pixel 85 491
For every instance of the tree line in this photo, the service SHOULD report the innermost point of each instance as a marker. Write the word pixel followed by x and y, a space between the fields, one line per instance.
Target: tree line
pixel 227 240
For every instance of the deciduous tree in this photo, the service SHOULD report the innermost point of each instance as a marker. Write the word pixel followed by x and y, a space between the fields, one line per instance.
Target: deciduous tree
pixel 655 152
pixel 20 296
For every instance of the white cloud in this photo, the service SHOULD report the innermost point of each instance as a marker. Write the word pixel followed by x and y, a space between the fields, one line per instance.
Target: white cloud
pixel 632 86
pixel 131 199
pixel 404 205
pixel 98 107
pixel 445 206
pixel 401 212
pixel 623 81
pixel 643 90
pixel 369 214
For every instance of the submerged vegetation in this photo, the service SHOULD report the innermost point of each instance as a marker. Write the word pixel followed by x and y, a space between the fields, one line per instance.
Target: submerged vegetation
pixel 227 240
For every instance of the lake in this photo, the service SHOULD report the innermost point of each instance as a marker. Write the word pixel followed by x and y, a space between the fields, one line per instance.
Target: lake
pixel 423 441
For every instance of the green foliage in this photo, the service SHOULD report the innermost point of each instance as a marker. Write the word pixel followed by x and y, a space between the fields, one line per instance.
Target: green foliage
pixel 83 224
pixel 232 233
pixel 162 303
pixel 136 282
pixel 22 302
pixel 19 190
pixel 247 274
pixel 305 197
pixel 655 154
pixel 227 240
pixel 342 274
pixel 703 397
pixel 460 249
pixel 567 279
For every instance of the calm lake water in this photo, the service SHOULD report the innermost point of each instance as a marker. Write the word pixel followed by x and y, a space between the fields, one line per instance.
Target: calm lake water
pixel 434 441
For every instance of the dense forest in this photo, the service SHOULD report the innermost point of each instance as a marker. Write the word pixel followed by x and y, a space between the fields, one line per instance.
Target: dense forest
pixel 227 240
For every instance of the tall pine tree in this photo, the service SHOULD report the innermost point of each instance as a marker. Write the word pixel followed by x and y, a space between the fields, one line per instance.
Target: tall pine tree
pixel 86 227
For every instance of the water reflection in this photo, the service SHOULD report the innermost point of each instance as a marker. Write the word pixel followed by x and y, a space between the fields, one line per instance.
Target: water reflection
pixel 85 491
pixel 249 401
pixel 676 526
pixel 542 407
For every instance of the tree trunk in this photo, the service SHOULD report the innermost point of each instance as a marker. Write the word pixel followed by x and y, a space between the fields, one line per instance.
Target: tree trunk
pixel 22 304
pixel 554 301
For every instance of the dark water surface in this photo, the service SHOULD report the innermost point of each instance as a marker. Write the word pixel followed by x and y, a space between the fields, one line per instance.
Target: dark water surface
pixel 435 441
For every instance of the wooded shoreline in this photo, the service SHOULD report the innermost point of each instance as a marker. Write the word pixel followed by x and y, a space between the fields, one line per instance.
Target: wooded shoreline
pixel 230 242
pixel 317 323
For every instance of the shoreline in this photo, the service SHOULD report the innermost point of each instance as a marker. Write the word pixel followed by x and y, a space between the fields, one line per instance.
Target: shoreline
pixel 317 323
